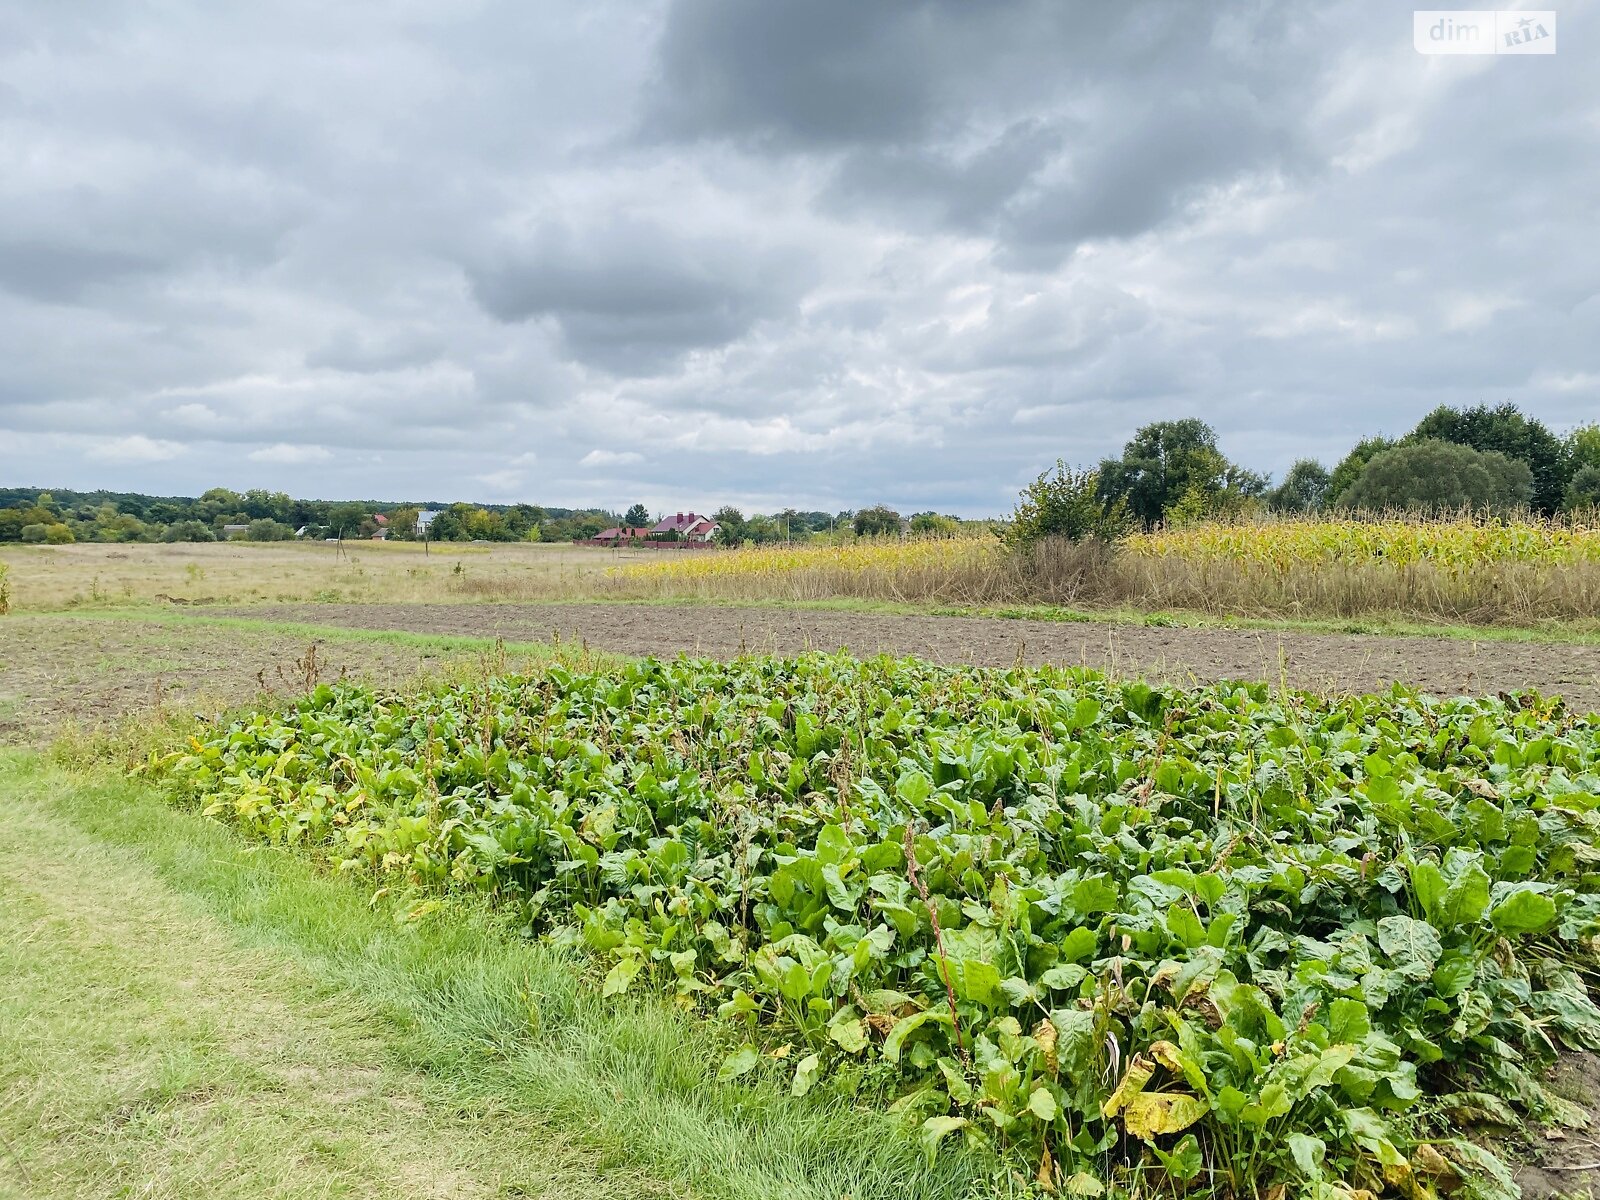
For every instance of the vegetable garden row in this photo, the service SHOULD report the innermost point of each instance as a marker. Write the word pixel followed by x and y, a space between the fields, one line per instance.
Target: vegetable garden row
pixel 1216 939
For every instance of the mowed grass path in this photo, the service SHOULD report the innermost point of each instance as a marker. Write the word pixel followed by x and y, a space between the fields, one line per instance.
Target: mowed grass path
pixel 184 1014
pixel 145 1051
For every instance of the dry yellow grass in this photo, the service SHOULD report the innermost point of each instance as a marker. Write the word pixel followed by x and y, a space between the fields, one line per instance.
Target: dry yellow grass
pixel 52 578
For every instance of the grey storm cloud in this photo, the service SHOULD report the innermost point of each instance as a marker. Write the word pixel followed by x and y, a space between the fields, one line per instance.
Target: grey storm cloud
pixel 812 252
pixel 632 296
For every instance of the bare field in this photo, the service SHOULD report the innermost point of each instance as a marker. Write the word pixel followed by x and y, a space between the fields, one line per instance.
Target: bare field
pixel 1315 661
pixel 59 672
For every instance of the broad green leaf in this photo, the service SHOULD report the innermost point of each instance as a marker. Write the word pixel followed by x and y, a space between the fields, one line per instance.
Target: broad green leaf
pixel 1523 911
pixel 849 1035
pixel 1369 1132
pixel 936 1129
pixel 1412 945
pixel 1043 1105
pixel 1079 944
pixel 1307 1152
pixel 977 981
pixel 1185 1162
pixel 1348 1021
pixel 805 1074
pixel 1064 978
pixel 1454 975
pixel 833 846
pixel 1075 1040
pixel 1095 894
pixel 621 975
pixel 905 1027
pixel 744 1059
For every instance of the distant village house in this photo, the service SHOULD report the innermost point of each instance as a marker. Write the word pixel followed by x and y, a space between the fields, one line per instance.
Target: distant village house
pixel 681 531
pixel 685 527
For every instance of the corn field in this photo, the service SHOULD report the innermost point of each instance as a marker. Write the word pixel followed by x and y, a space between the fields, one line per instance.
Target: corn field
pixel 1461 544
pixel 1520 573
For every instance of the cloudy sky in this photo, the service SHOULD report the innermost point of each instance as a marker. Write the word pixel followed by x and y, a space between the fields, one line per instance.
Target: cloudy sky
pixel 813 252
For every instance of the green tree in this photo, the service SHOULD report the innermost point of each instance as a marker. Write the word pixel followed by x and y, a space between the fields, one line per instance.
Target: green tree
pixel 1436 476
pixel 1304 488
pixel 636 516
pixel 1504 429
pixel 1584 490
pixel 730 525
pixel 876 521
pixel 216 502
pixel 1172 461
pixel 258 503
pixel 1583 449
pixel 1065 503
pixel 348 518
pixel 403 523
pixel 935 524
pixel 1349 468
pixel 762 530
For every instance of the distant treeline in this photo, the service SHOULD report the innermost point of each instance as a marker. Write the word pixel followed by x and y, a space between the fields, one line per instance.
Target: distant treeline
pixel 60 515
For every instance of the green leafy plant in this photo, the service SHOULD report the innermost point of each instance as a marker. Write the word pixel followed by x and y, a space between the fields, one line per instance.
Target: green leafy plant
pixel 1225 937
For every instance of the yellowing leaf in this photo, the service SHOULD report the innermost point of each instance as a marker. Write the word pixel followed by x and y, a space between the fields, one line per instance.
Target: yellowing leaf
pixel 1150 1114
pixel 1133 1081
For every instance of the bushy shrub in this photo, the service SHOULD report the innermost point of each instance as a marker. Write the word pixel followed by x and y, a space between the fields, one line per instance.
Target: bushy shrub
pixel 1065 503
pixel 54 534
pixel 268 530
pixel 188 531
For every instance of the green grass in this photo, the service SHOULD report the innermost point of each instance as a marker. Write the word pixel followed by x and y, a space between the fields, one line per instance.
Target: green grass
pixel 185 1014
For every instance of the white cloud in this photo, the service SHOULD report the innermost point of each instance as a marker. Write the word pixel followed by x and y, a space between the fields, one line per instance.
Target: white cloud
pixel 610 458
pixel 135 448
pixel 288 454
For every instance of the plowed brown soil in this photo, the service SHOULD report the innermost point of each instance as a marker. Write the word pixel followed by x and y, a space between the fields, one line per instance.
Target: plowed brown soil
pixel 1318 661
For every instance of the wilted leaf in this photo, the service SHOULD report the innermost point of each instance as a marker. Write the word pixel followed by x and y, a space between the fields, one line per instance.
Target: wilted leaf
pixel 1132 1083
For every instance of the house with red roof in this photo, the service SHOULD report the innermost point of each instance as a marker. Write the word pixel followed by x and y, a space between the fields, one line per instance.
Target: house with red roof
pixel 622 535
pixel 685 527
